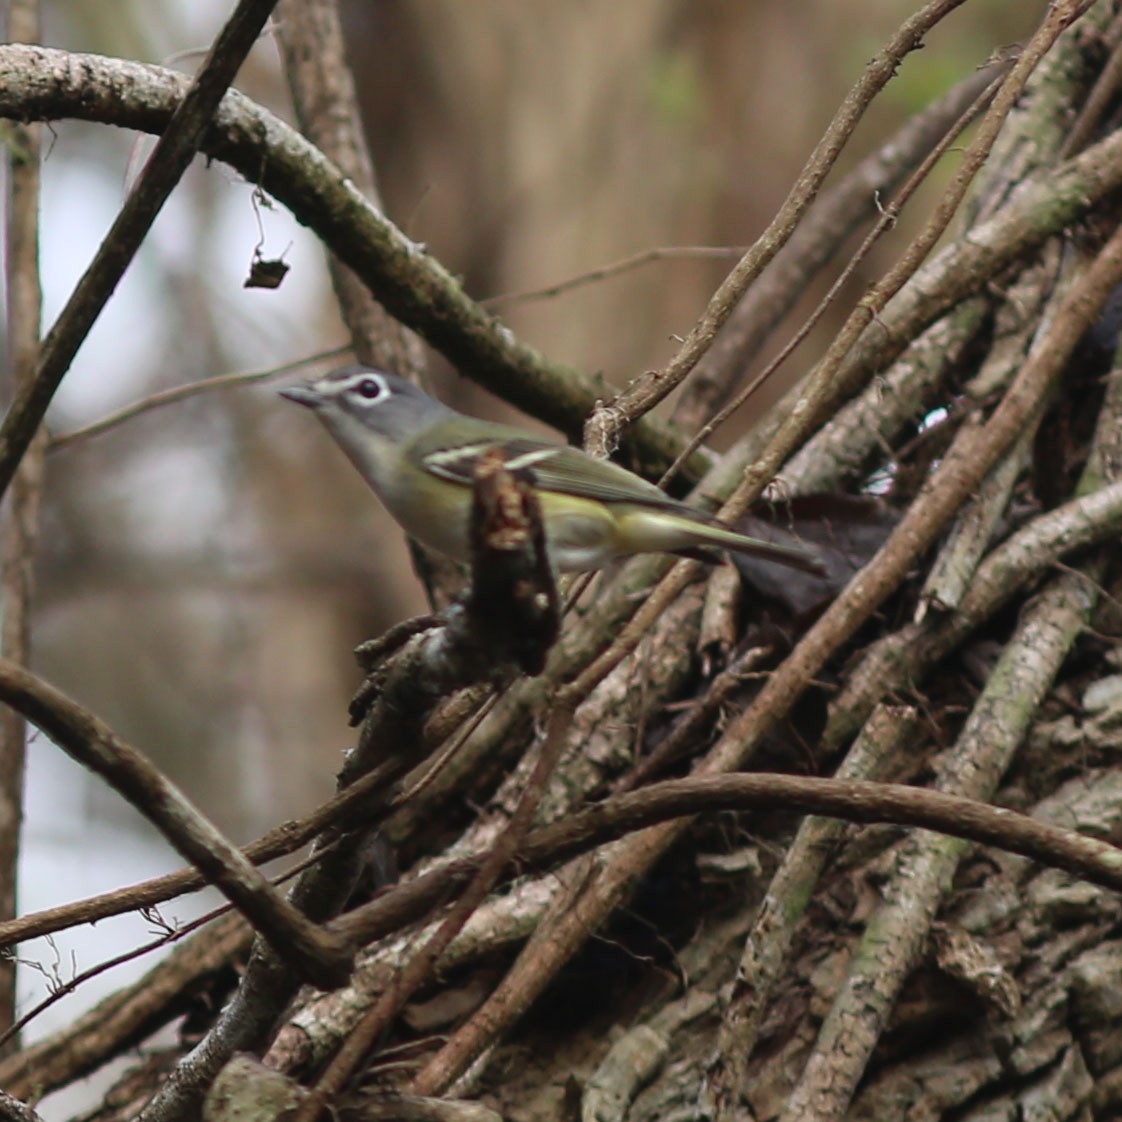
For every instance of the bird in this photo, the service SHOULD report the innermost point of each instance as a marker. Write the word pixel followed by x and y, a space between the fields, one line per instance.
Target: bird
pixel 419 457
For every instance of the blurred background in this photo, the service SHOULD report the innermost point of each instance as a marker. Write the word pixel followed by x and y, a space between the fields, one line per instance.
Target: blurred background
pixel 207 567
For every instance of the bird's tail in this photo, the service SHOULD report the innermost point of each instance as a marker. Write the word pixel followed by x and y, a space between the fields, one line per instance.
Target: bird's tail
pixel 695 536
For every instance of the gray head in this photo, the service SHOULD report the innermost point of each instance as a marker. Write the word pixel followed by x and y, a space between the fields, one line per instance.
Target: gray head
pixel 359 400
pixel 371 414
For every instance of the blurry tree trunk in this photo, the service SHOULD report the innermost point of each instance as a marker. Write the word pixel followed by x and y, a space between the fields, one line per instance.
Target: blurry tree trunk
pixel 20 527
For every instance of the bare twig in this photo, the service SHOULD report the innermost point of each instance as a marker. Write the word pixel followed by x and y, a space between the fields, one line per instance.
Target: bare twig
pixel 337 813
pixel 970 537
pixel 826 227
pixel 686 733
pixel 614 269
pixel 420 966
pixel 858 434
pixel 182 393
pixel 853 800
pixel 886 220
pixel 96 1036
pixel 71 984
pixel 1028 307
pixel 603 427
pixel 824 387
pixel 1102 94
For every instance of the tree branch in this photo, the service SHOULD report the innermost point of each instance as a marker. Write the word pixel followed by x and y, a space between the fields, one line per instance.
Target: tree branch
pixel 41 84
pixel 173 152
pixel 976 450
pixel 644 393
pixel 319 957
pixel 822 233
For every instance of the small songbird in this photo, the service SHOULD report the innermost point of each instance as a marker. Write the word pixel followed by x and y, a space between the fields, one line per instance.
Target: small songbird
pixel 419 456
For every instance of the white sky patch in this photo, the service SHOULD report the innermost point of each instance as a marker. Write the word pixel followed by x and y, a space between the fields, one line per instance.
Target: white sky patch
pixel 79 204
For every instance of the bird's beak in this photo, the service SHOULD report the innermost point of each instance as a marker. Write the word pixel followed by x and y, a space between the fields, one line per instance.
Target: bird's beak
pixel 302 394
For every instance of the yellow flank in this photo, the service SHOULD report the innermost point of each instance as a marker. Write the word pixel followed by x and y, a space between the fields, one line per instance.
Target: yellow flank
pixel 658 530
pixel 582 533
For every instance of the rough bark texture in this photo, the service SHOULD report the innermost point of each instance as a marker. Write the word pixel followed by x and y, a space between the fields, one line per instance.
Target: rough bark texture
pixel 958 464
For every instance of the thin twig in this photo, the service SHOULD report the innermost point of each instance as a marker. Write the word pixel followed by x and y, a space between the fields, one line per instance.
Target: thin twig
pixel 887 219
pixel 338 812
pixel 94 1037
pixel 601 431
pixel 824 387
pixel 824 231
pixel 131 955
pixel 182 393
pixel 420 966
pixel 614 269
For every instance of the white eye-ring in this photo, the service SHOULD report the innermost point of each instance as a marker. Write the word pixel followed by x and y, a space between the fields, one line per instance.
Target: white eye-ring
pixel 369 388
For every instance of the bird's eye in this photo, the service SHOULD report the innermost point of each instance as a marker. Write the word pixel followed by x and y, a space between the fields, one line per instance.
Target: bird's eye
pixel 369 388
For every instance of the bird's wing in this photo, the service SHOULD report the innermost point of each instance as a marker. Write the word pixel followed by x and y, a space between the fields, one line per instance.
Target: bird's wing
pixel 553 467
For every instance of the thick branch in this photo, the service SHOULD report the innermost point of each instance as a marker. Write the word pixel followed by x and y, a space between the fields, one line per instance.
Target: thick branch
pixel 316 955
pixel 41 84
pixel 1094 860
